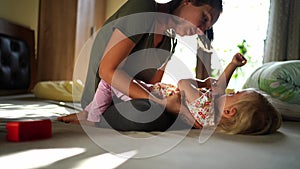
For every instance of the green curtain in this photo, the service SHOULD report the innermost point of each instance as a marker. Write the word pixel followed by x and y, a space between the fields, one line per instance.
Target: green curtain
pixel 283 35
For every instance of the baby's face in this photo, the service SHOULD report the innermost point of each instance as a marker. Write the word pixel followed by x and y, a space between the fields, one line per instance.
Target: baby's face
pixel 231 98
pixel 226 102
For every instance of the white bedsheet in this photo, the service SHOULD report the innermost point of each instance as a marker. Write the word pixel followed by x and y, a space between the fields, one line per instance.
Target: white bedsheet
pixel 71 147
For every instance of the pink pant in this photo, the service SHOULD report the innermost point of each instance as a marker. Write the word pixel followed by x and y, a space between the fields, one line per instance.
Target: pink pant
pixel 102 100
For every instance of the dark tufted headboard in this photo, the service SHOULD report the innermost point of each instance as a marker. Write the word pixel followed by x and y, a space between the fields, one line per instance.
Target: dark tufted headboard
pixel 17 59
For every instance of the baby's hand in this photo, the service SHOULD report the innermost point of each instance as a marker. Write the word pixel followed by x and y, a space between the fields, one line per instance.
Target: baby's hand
pixel 239 60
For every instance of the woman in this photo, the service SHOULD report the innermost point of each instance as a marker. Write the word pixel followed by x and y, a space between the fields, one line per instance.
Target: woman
pixel 121 48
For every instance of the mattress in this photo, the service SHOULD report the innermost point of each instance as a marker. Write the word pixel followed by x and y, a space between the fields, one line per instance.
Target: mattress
pixel 76 146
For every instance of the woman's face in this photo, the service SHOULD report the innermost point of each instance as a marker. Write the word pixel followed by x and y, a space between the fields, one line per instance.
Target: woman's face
pixel 196 19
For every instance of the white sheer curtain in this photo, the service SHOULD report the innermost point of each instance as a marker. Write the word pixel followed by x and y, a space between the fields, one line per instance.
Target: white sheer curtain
pixel 283 36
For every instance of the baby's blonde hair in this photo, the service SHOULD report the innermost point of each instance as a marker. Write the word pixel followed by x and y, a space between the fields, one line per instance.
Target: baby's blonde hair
pixel 255 115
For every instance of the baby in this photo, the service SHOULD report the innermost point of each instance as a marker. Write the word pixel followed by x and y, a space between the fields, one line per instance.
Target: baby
pixel 244 112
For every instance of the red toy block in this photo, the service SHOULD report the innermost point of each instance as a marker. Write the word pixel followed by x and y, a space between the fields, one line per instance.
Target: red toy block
pixel 29 130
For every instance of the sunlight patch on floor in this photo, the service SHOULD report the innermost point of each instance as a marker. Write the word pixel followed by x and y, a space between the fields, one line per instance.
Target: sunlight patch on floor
pixel 32 158
pixel 107 160
pixel 32 110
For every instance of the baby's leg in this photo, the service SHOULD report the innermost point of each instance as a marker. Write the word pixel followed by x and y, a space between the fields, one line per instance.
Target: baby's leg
pixel 101 101
pixel 91 114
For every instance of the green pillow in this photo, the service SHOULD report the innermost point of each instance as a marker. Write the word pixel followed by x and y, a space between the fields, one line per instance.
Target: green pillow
pixel 281 80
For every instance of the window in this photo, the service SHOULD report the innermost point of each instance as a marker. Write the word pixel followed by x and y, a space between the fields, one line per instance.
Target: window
pixel 241 21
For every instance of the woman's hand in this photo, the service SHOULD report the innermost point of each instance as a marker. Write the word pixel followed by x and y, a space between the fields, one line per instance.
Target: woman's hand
pixel 173 103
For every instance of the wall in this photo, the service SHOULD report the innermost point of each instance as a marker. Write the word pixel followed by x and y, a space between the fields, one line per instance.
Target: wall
pixel 26 12
pixel 23 12
pixel 112 6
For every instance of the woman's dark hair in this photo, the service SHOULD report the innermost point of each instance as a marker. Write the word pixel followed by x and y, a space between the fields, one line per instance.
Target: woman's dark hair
pixel 210 33
pixel 217 4
pixel 172 5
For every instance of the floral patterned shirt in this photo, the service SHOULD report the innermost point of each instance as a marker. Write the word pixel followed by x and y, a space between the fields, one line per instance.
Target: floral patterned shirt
pixel 201 108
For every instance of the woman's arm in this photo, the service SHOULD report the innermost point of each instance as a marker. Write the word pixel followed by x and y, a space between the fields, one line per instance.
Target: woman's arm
pixel 118 49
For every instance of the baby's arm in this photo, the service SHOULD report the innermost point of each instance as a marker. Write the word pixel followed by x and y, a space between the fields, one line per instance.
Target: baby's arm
pixel 238 60
pixel 189 88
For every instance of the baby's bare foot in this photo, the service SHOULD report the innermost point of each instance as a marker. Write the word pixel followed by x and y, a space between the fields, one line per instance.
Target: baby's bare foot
pixel 73 117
